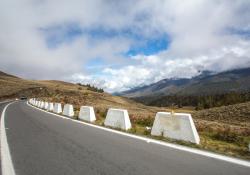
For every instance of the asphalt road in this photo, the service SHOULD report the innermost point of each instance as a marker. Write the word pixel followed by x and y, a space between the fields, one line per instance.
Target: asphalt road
pixel 41 143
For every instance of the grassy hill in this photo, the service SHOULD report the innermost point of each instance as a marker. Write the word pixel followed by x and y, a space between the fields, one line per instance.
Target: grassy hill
pixel 225 129
pixel 64 92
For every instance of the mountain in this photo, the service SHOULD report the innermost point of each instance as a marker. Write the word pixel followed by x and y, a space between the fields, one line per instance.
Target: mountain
pixel 207 83
pixel 3 74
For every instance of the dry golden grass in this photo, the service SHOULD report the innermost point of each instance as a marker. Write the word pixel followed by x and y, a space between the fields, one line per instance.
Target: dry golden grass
pixel 238 114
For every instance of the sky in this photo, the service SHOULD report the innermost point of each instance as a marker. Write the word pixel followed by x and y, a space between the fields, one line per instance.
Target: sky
pixel 117 45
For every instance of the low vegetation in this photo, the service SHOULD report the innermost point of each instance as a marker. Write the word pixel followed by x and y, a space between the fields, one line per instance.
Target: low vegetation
pixel 198 101
pixel 91 88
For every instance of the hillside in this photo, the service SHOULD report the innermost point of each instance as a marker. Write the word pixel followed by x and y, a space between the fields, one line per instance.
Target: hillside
pixel 64 92
pixel 206 83
pixel 12 86
pixel 234 115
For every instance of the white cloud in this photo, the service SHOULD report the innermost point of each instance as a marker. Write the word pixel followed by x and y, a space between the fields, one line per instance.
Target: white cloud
pixel 205 35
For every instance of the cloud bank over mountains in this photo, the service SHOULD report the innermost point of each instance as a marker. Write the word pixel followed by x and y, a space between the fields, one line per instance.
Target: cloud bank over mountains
pixel 118 44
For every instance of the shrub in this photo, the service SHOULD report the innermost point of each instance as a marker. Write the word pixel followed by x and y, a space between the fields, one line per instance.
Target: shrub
pixel 228 136
pixel 146 121
pixel 132 130
pixel 101 113
pixel 147 132
pixel 91 88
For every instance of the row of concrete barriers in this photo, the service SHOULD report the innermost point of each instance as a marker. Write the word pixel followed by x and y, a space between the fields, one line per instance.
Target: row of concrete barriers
pixel 178 126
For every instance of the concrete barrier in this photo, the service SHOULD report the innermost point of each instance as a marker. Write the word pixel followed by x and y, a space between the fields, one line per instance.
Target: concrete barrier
pixel 57 108
pixel 87 113
pixel 68 110
pixel 178 126
pixel 46 104
pixel 50 107
pixel 39 104
pixel 32 100
pixel 118 118
pixel 42 105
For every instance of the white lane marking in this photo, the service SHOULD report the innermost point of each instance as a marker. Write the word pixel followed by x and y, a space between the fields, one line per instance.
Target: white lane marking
pixel 149 140
pixel 6 163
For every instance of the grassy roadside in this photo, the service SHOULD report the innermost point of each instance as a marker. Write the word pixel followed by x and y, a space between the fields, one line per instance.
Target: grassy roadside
pixel 224 141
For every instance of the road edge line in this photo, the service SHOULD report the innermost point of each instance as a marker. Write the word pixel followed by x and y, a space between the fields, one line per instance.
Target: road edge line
pixel 6 160
pixel 158 142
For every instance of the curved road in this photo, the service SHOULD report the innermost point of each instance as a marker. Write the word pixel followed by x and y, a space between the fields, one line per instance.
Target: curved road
pixel 42 143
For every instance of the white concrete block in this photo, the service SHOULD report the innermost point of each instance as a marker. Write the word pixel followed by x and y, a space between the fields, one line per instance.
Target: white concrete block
pixel 118 118
pixel 50 107
pixel 42 105
pixel 57 108
pixel 68 110
pixel 46 104
pixel 39 104
pixel 87 113
pixel 178 126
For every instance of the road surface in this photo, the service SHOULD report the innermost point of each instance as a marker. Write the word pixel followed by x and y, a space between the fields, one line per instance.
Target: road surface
pixel 42 143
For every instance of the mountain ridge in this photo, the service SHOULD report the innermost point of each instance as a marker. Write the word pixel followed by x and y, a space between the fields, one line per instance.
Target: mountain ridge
pixel 206 83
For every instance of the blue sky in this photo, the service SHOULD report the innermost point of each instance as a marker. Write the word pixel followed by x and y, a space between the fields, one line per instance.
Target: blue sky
pixel 57 35
pixel 122 44
pixel 149 46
